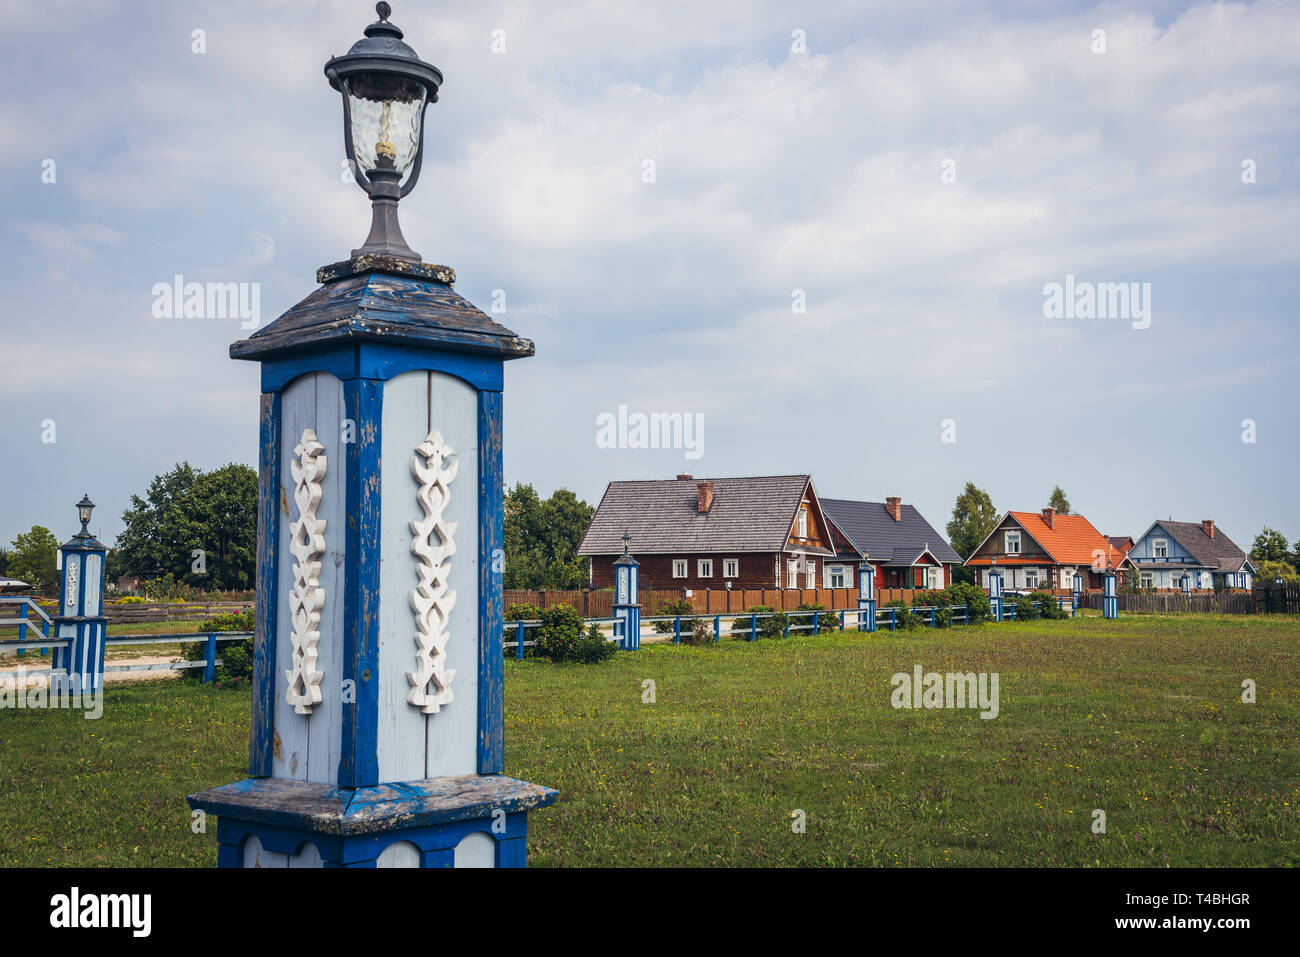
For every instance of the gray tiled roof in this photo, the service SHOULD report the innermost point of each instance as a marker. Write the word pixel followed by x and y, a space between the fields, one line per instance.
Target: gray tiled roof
pixel 1219 552
pixel 748 515
pixel 871 529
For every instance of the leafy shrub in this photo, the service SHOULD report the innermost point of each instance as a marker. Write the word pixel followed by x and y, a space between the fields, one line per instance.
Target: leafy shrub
pixel 1024 605
pixel 236 668
pixel 773 627
pixel 971 595
pixel 826 621
pixel 699 632
pixel 168 589
pixel 906 617
pixel 131 600
pixel 678 607
pixel 1048 606
pixel 564 637
pixel 936 600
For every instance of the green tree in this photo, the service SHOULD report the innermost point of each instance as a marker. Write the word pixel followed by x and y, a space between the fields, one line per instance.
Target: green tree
pixel 1058 501
pixel 186 511
pixel 1270 546
pixel 1270 570
pixel 973 517
pixel 4 561
pixel 541 538
pixel 34 559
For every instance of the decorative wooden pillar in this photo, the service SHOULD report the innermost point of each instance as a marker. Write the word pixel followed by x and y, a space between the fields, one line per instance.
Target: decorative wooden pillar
pixel 1078 590
pixel 626 607
pixel 377 729
pixel 866 597
pixel 995 593
pixel 81 621
pixel 1109 600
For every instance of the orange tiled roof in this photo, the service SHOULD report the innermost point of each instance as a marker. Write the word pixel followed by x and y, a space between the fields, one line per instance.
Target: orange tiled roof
pixel 1071 541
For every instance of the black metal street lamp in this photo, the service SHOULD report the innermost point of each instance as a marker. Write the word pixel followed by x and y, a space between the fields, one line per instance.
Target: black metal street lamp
pixel 84 508
pixel 386 88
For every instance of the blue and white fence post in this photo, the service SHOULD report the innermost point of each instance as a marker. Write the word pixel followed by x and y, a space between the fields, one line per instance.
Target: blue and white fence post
pixel 377 733
pixel 995 593
pixel 1187 583
pixel 81 621
pixel 626 607
pixel 1078 593
pixel 867 597
pixel 1109 600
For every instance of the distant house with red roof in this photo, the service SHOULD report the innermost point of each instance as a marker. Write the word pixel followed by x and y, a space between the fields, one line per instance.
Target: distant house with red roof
pixel 1045 550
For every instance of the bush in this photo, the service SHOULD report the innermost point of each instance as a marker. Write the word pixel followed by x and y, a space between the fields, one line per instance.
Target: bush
pixel 906 618
pixel 826 621
pixel 131 600
pixel 168 589
pixel 939 601
pixel 236 668
pixel 679 607
pixel 564 637
pixel 971 595
pixel 1048 606
pixel 1024 605
pixel 773 627
pixel 700 632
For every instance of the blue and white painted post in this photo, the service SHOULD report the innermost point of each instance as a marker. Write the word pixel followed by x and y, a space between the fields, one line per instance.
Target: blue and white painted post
pixel 81 621
pixel 1187 583
pixel 995 593
pixel 626 608
pixel 1078 593
pixel 1109 600
pixel 378 722
pixel 867 597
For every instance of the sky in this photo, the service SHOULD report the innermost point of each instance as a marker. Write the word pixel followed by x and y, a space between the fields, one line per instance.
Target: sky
pixel 837 267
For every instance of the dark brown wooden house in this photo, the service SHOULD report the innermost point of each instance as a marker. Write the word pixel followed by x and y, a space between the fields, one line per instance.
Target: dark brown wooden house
pixel 756 532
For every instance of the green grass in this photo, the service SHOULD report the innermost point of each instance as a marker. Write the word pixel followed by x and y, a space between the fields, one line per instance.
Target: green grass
pixel 1140 717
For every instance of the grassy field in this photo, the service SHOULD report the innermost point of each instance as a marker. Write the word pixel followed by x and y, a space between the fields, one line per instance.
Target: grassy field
pixel 1140 717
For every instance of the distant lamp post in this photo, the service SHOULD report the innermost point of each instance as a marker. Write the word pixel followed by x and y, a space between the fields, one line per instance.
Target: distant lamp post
pixel 80 621
pixel 627 610
pixel 386 88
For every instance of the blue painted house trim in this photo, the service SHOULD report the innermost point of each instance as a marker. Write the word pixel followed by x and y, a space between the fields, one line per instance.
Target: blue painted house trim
pixel 381 361
pixel 491 675
pixel 359 760
pixel 265 680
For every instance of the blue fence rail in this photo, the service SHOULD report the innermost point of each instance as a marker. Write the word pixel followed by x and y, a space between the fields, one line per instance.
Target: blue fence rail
pixel 809 621
pixel 208 663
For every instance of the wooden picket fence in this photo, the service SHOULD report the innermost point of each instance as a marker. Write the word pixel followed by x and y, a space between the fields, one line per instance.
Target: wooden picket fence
pixel 1172 603
pixel 135 613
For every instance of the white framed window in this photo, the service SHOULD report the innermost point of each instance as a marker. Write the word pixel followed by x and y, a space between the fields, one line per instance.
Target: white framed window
pixel 810 577
pixel 801 530
pixel 791 574
pixel 679 568
pixel 1160 547
pixel 706 567
pixel 1012 540
pixel 731 568
pixel 934 578
pixel 1031 577
pixel 1144 580
pixel 836 577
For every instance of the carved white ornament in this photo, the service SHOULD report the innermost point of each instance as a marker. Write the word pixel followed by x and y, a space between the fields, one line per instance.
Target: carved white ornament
pixel 307 543
pixel 431 600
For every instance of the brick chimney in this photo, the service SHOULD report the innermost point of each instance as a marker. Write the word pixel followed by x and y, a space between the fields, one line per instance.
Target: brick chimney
pixel 894 506
pixel 1049 517
pixel 705 492
pixel 1207 526
pixel 684 477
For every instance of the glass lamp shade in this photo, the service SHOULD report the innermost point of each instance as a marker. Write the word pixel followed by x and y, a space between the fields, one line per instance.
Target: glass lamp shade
pixel 84 508
pixel 385 111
